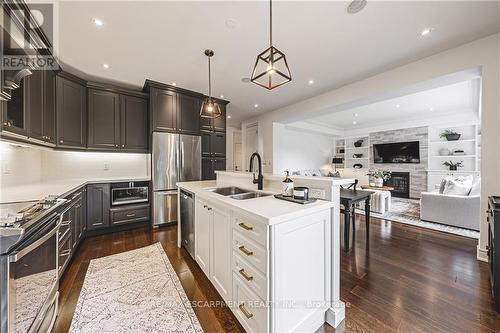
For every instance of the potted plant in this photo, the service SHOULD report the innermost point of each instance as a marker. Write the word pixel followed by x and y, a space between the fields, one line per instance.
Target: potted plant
pixel 450 135
pixel 378 177
pixel 453 166
pixel 358 143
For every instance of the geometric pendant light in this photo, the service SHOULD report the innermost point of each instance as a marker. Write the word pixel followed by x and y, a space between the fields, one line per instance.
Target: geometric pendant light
pixel 209 107
pixel 271 68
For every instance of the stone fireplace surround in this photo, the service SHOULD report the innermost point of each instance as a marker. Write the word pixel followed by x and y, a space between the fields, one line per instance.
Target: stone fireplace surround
pixel 418 173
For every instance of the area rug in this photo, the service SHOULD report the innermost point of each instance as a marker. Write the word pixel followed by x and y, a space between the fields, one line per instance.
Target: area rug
pixel 407 211
pixel 134 291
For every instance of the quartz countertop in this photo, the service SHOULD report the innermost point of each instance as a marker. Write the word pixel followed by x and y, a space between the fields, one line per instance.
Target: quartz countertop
pixel 63 187
pixel 334 181
pixel 266 209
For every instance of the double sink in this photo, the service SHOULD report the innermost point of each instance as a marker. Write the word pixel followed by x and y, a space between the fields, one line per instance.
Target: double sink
pixel 238 193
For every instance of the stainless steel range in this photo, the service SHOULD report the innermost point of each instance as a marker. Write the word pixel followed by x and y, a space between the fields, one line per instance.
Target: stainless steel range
pixel 29 268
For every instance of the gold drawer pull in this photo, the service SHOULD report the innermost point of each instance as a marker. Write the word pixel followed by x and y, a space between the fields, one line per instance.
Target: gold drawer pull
pixel 247 313
pixel 244 226
pixel 131 215
pixel 245 251
pixel 245 275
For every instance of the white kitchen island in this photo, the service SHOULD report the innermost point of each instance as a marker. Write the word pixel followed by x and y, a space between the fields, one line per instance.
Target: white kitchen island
pixel 275 263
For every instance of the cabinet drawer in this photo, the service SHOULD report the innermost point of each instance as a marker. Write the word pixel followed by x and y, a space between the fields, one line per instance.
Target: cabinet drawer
pixel 251 229
pixel 252 252
pixel 250 276
pixel 129 214
pixel 250 310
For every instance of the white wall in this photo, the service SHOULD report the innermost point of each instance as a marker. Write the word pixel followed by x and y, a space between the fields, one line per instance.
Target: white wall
pixel 483 54
pixel 296 149
pixel 24 164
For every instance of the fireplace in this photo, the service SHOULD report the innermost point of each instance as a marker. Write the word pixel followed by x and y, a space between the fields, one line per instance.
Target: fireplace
pixel 401 183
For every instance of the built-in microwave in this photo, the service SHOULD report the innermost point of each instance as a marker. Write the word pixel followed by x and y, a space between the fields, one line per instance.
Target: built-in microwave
pixel 126 193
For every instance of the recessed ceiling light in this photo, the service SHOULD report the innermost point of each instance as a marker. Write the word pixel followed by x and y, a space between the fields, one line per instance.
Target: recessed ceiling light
pixel 310 82
pixel 256 105
pixel 356 6
pixel 221 96
pixel 426 32
pixel 355 115
pixel 354 122
pixel 431 109
pixel 398 105
pixel 174 84
pixel 245 79
pixel 98 22
pixel 106 66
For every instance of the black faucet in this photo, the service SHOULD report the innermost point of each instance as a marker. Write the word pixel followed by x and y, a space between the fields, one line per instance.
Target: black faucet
pixel 260 178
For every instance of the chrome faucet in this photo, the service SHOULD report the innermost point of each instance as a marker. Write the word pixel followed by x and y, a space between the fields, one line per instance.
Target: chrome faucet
pixel 260 179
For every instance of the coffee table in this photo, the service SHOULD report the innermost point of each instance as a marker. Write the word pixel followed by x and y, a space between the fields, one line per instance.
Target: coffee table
pixel 377 188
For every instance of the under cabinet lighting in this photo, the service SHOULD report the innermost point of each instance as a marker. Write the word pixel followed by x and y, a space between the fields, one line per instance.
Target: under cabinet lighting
pixel 426 32
pixel 98 22
pixel 106 66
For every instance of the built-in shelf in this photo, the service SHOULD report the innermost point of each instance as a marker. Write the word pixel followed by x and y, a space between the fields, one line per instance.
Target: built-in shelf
pixel 448 156
pixel 353 148
pixel 458 141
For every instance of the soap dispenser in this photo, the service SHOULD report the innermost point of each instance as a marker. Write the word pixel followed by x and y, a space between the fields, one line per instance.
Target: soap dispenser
pixel 287 190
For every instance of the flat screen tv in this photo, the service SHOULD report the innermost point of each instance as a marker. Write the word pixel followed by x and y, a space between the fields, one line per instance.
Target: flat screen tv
pixel 398 152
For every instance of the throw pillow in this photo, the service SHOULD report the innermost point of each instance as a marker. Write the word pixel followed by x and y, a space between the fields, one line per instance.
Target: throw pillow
pixel 476 188
pixel 458 186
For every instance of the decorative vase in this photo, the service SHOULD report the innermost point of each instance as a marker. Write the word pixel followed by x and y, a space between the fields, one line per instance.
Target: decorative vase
pixel 371 182
pixel 379 182
pixel 358 143
pixel 453 137
pixel 444 152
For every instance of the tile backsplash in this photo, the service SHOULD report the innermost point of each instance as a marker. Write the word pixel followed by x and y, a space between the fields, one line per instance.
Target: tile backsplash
pixel 22 164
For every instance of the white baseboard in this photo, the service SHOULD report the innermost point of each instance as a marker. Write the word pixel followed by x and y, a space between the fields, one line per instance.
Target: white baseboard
pixel 334 316
pixel 482 254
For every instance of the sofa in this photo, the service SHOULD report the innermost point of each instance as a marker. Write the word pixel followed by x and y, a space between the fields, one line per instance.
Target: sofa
pixel 460 210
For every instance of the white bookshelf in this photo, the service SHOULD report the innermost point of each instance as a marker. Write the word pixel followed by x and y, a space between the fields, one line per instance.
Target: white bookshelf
pixel 340 152
pixel 469 142
pixel 364 149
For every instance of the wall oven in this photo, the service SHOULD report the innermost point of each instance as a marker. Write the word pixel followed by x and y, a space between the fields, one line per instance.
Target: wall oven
pixel 126 193
pixel 29 278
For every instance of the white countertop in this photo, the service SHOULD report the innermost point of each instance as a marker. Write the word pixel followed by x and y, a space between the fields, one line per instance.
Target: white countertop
pixel 334 181
pixel 37 191
pixel 267 209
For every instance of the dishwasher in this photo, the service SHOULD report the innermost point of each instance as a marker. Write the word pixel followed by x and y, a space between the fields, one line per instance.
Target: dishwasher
pixel 187 221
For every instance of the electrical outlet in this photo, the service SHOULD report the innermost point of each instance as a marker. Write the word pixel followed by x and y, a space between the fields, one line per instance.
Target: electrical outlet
pixel 106 166
pixel 317 193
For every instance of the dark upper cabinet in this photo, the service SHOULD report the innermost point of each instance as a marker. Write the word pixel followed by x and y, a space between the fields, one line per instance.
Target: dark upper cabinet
pixel 134 124
pixel 36 82
pixel 219 123
pixel 98 204
pixel 15 117
pixel 71 113
pixel 213 143
pixel 41 105
pixel 104 119
pixel 164 110
pixel 49 110
pixel 218 143
pixel 188 109
pixel 205 143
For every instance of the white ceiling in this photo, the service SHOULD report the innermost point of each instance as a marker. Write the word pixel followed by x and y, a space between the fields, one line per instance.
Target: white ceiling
pixel 165 40
pixel 454 100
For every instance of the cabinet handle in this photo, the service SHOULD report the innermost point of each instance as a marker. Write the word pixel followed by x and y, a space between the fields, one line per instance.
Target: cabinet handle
pixel 65 223
pixel 245 275
pixel 247 313
pixel 131 215
pixel 116 145
pixel 61 141
pixel 123 146
pixel 246 227
pixel 205 206
pixel 245 251
pixel 209 208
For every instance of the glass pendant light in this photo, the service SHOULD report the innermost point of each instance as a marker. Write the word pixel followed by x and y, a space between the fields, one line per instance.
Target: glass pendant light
pixel 209 107
pixel 271 69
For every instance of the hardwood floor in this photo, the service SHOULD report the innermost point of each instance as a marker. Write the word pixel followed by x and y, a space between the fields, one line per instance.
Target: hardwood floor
pixel 407 280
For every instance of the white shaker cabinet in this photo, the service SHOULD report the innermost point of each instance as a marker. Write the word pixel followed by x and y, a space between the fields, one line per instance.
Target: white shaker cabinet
pixel 213 234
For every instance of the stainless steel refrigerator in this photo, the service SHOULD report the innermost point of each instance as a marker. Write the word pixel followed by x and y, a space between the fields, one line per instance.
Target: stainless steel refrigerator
pixel 176 158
